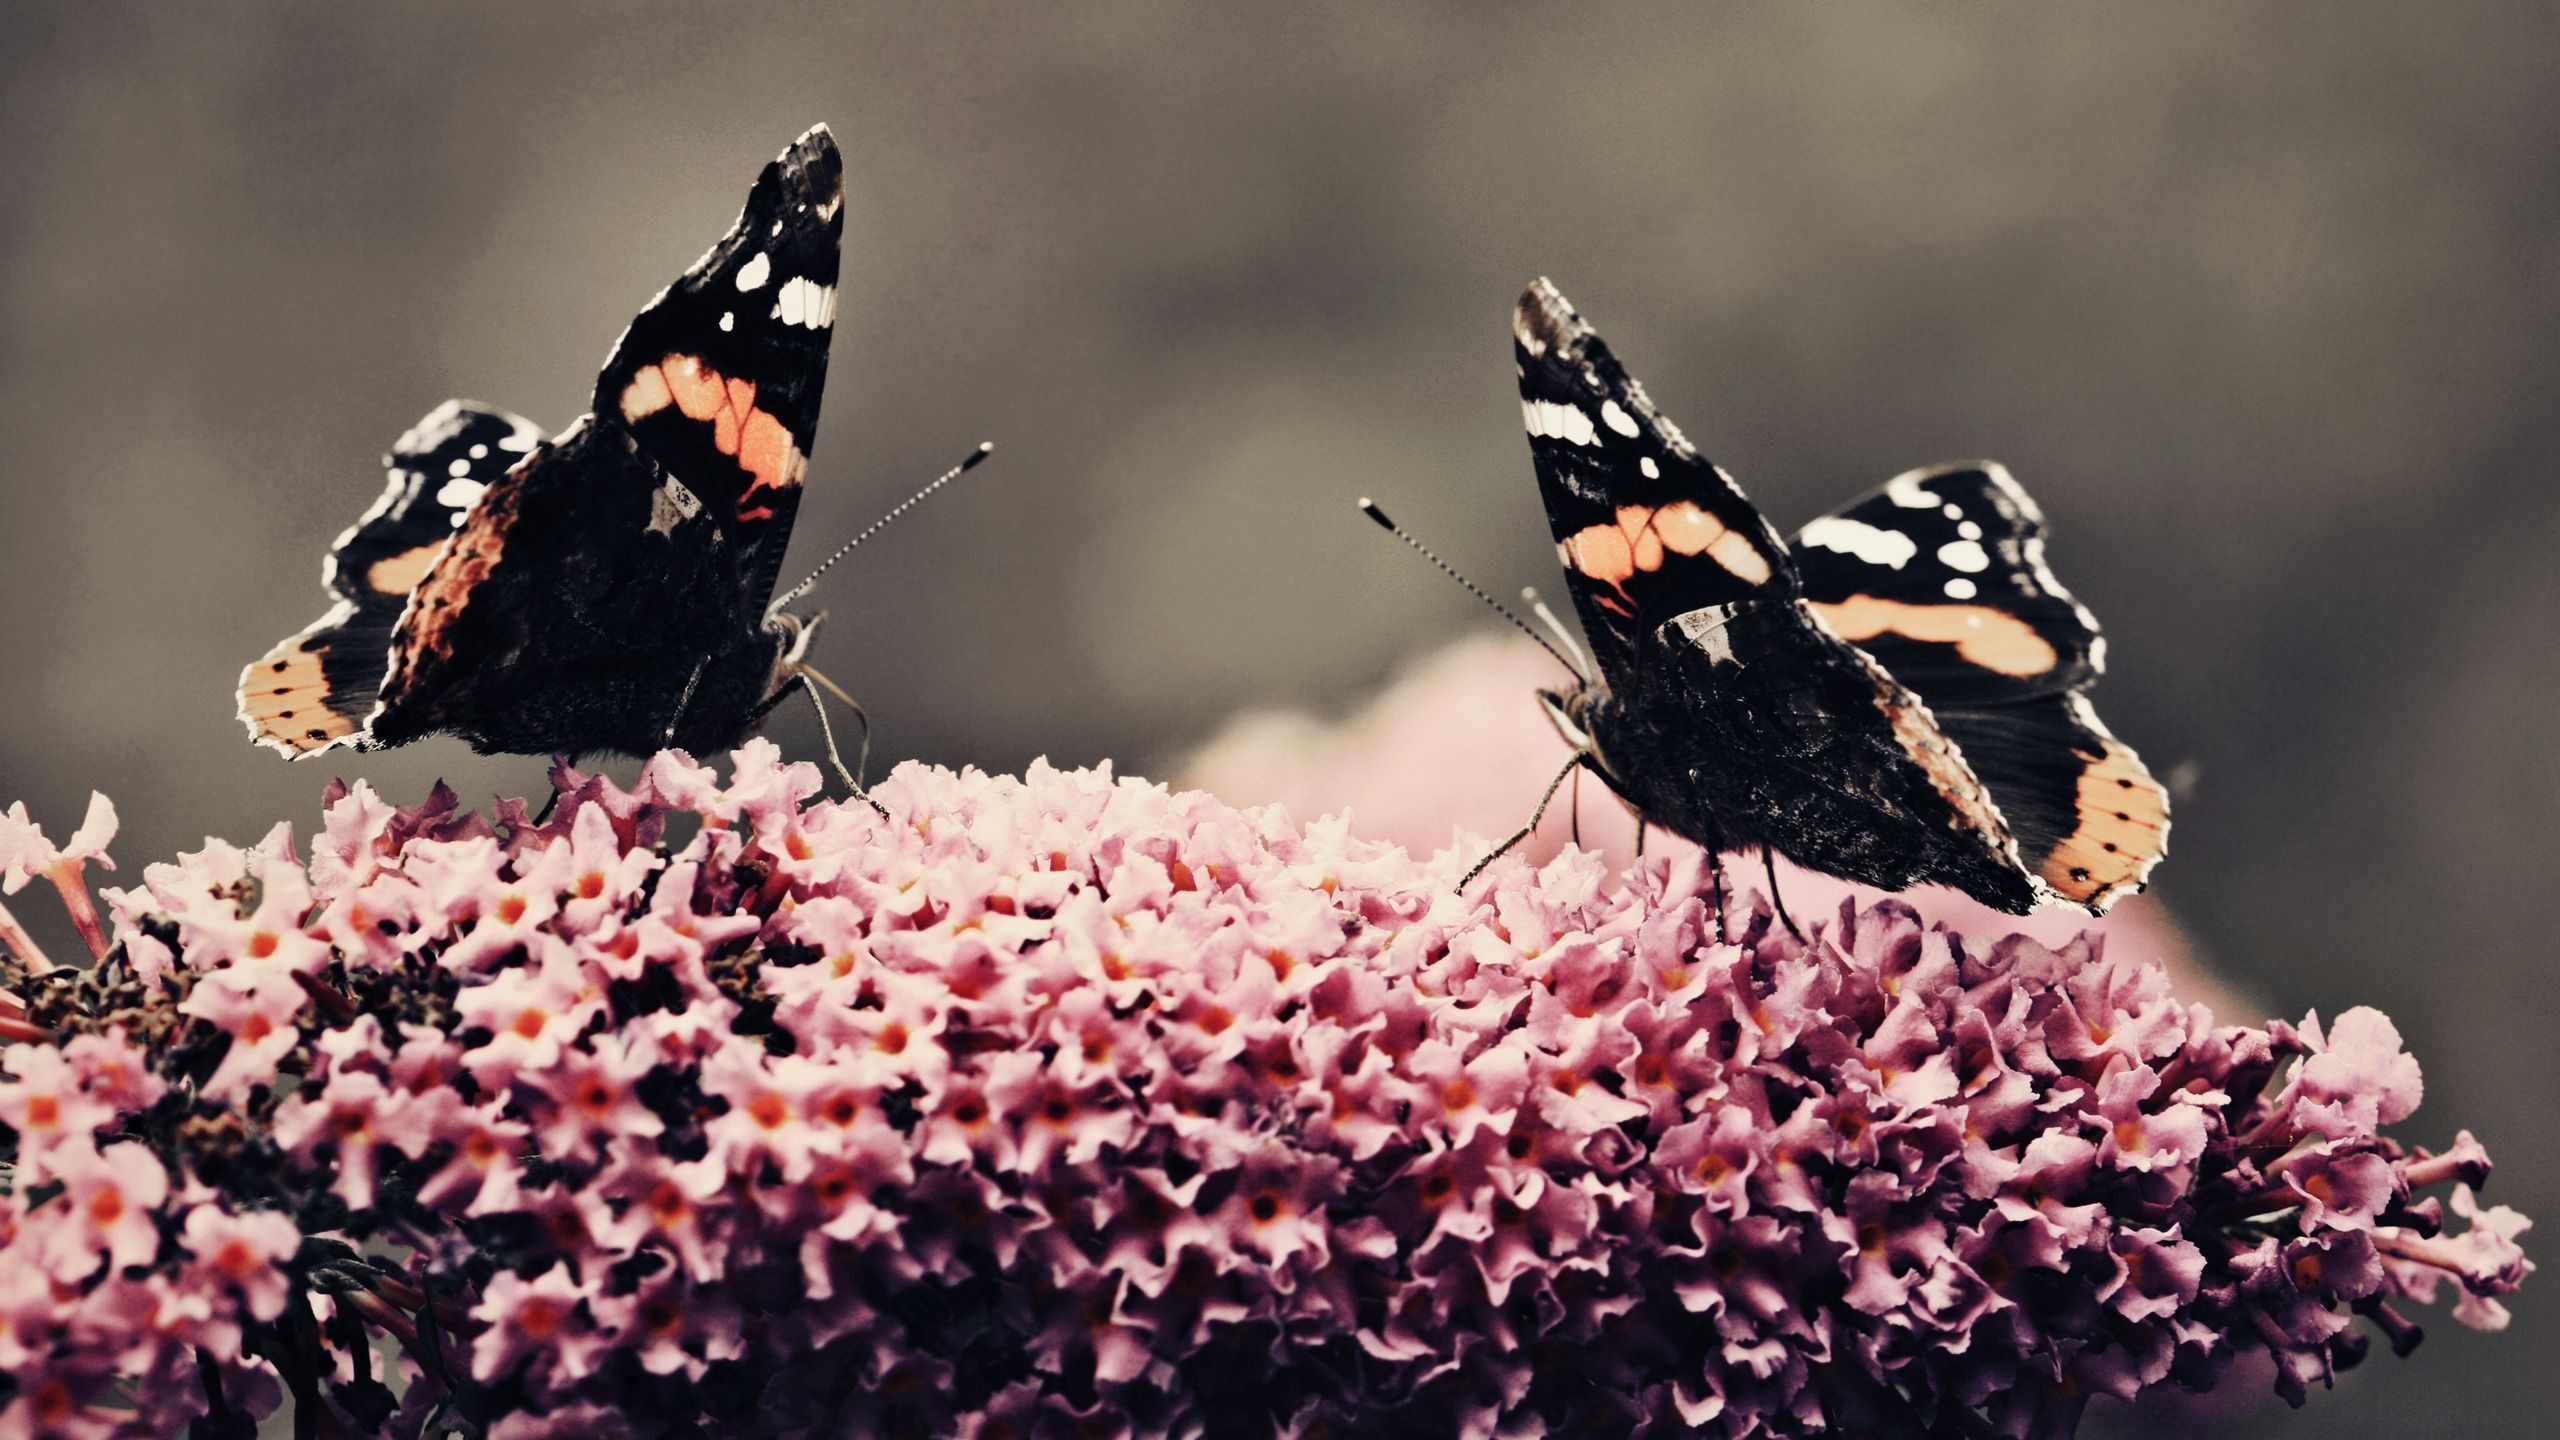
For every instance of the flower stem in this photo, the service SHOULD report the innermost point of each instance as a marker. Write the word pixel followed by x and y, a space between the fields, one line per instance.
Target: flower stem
pixel 17 941
pixel 66 878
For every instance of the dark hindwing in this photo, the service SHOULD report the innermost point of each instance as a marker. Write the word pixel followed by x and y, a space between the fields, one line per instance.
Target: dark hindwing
pixel 1941 577
pixel 317 689
pixel 1647 528
pixel 2089 819
pixel 720 377
pixel 570 608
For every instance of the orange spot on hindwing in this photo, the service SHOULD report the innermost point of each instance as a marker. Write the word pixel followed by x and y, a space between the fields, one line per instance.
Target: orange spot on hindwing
pixel 761 444
pixel 284 699
pixel 2123 830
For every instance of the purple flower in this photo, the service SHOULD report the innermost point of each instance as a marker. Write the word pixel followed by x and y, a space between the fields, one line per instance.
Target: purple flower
pixel 1063 1104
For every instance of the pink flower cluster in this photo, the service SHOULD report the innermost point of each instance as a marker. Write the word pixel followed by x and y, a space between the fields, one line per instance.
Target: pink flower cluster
pixel 1064 1106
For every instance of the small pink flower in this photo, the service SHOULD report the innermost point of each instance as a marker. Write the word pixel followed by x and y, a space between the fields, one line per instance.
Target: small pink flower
pixel 43 1099
pixel 243 1254
pixel 26 855
pixel 594 1094
pixel 530 1011
pixel 114 1070
pixel 645 1200
pixel 534 1324
pixel 338 1129
pixel 108 1208
pixel 257 1005
pixel 592 871
pixel 484 1153
pixel 2360 1061
pixel 55 1401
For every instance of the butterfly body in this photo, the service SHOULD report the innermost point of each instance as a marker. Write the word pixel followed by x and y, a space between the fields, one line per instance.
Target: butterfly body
pixel 1897 698
pixel 606 589
pixel 1761 728
pixel 617 633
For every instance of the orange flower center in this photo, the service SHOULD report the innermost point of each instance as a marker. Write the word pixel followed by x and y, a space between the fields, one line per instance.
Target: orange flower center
pixel 537 1318
pixel 236 1260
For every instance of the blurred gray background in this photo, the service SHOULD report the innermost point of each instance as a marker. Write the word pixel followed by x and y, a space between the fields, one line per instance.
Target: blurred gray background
pixel 2259 301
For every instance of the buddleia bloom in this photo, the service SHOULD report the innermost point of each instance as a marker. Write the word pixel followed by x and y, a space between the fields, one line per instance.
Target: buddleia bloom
pixel 1065 1105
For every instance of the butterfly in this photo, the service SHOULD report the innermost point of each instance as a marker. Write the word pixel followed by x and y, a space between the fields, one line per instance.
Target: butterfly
pixel 1898 697
pixel 605 589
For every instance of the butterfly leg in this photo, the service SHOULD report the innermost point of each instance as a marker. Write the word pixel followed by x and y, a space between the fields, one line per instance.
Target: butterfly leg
pixel 861 757
pixel 1640 829
pixel 1580 759
pixel 827 729
pixel 1769 867
pixel 668 736
pixel 1715 877
pixel 1574 801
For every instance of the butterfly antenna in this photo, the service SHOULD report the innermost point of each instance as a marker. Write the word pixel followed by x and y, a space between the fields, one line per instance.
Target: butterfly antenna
pixel 1538 607
pixel 901 508
pixel 1370 508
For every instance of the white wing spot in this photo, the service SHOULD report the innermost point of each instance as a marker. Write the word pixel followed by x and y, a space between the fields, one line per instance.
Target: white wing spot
pixel 754 273
pixel 1953 512
pixel 458 469
pixel 1907 492
pixel 1561 422
pixel 806 302
pixel 728 320
pixel 1960 589
pixel 1873 544
pixel 1969 530
pixel 1617 419
pixel 1965 555
pixel 1651 470
pixel 479 452
pixel 459 495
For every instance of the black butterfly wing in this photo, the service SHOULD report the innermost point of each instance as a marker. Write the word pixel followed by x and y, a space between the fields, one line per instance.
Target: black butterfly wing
pixel 316 689
pixel 1941 577
pixel 569 609
pixel 582 603
pixel 1646 526
pixel 720 377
